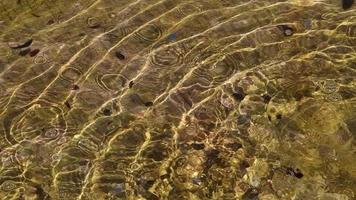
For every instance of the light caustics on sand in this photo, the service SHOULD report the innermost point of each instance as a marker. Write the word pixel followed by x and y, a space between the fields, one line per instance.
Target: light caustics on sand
pixel 177 99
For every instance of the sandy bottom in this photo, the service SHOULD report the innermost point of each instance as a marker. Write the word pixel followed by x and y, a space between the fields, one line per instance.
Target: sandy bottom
pixel 177 100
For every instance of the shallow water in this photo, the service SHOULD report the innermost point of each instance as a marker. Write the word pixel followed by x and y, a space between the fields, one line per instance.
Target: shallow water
pixel 177 99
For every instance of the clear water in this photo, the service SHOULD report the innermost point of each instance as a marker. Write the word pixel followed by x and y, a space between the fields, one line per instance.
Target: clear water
pixel 177 99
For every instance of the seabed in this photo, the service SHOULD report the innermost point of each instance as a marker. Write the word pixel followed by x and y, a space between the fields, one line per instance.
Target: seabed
pixel 177 100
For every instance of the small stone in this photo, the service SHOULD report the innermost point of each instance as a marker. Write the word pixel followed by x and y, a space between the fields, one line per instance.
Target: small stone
pixel 119 55
pixel 51 21
pixel 75 87
pixel 234 146
pixel 149 104
pixel 346 4
pixel 172 36
pixel 287 31
pixel 21 45
pixel 147 184
pixel 67 104
pixel 131 83
pixel 107 112
pixel 24 52
pixel 294 172
pixel 266 98
pixel 243 119
pixel 239 95
pixel 212 157
pixel 244 164
pixel 197 181
pixel 250 194
pixel 35 15
pixel 119 188
pixel 34 52
pixel 198 146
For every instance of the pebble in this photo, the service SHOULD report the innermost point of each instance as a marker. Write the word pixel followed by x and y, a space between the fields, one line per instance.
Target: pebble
pixel 250 194
pixel 149 104
pixel 75 87
pixel 34 52
pixel 234 146
pixel 22 45
pixel 266 98
pixel 131 83
pixel 198 146
pixel 107 112
pixel 346 4
pixel 172 36
pixel 243 119
pixel 287 31
pixel 67 104
pixel 119 55
pixel 197 181
pixel 239 95
pixel 119 188
pixel 294 172
pixel 24 52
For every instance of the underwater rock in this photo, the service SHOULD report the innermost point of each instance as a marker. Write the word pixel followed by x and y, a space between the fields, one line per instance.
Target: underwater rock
pixel 119 55
pixel 25 44
pixel 346 4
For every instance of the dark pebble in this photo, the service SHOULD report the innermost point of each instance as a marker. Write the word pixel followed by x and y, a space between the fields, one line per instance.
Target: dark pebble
pixel 212 158
pixel 239 95
pixel 243 119
pixel 23 45
pixel 119 55
pixel 244 164
pixel 131 83
pixel 147 184
pixel 107 112
pixel 41 194
pixel 157 155
pixel 197 181
pixel 234 146
pixel 75 87
pixel 67 104
pixel 294 172
pixel 172 36
pixel 24 52
pixel 250 194
pixel 346 4
pixel 266 98
pixel 34 52
pixel 119 188
pixel 198 146
pixel 165 176
pixel 149 104
pixel 287 31
pixel 51 21
pixel 35 15
pixel 94 26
